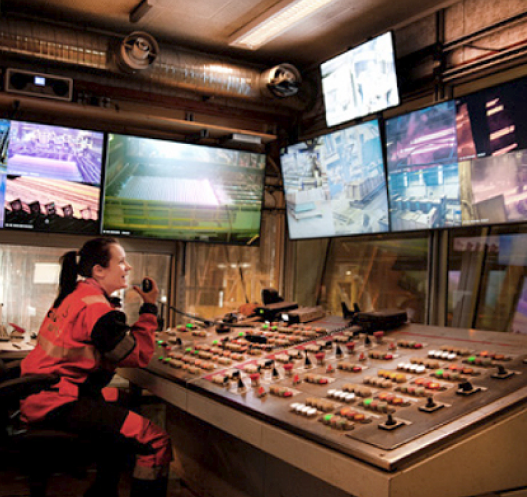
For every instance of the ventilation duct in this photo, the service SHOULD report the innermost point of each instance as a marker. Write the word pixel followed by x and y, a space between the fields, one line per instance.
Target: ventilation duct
pixel 138 51
pixel 149 64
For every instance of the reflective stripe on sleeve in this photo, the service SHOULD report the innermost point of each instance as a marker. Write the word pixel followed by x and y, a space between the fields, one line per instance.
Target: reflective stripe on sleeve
pixel 84 351
pixel 122 350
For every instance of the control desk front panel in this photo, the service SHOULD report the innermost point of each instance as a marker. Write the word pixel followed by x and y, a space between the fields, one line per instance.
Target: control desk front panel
pixel 365 395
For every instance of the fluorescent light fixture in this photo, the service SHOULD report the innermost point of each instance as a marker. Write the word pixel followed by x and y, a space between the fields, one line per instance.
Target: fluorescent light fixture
pixel 274 22
pixel 140 10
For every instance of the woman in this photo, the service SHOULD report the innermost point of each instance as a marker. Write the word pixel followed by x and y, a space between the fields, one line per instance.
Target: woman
pixel 83 339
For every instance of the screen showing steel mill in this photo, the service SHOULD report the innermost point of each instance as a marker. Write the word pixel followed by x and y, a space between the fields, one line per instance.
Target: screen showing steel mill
pixel 423 179
pixel 52 178
pixel 164 189
pixel 335 184
pixel 360 81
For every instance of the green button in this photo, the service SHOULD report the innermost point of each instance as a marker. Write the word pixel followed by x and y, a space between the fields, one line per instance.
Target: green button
pixel 440 372
pixel 367 402
pixel 189 325
pixel 241 334
pixel 328 417
pixel 215 342
pixel 471 359
pixel 188 349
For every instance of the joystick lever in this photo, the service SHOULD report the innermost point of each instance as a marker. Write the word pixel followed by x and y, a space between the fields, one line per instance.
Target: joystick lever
pixel 390 421
pixel 466 388
pixel 502 373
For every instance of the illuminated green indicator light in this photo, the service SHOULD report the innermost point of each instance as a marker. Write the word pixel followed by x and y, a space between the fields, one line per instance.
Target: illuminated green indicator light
pixel 188 349
pixel 241 334
pixel 215 342
pixel 167 359
pixel 274 328
pixel 261 311
pixel 265 327
pixel 328 417
pixel 367 402
pixel 440 372
pixel 189 325
pixel 472 358
pixel 161 357
pixel 195 352
pixel 160 342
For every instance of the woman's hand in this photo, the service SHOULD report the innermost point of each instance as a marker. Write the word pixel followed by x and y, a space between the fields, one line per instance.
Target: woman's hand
pixel 151 296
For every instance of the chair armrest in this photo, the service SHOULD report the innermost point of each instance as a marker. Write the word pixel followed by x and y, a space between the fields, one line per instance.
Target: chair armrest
pixel 11 370
pixel 21 388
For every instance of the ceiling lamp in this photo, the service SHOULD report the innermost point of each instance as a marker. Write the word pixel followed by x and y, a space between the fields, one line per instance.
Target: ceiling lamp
pixel 273 22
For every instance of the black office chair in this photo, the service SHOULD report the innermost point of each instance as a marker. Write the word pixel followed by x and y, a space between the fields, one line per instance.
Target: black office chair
pixel 37 452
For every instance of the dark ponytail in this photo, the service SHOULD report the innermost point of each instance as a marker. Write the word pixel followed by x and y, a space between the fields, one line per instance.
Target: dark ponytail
pixel 94 252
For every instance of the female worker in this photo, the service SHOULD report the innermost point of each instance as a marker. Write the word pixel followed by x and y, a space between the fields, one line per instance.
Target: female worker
pixel 83 339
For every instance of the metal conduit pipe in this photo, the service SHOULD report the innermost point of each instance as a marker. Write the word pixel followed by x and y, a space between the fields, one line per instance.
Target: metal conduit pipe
pixel 176 68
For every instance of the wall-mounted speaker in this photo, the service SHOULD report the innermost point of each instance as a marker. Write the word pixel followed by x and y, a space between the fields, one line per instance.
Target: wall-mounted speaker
pixel 38 85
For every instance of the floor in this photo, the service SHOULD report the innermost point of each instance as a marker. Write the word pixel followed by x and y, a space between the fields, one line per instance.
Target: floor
pixel 14 484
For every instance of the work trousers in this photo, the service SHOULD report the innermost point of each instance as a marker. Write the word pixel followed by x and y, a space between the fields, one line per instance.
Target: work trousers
pixel 119 433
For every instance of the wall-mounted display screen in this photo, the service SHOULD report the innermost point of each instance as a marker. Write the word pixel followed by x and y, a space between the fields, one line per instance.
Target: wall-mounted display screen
pixel 360 81
pixel 335 184
pixel 494 189
pixel 53 178
pixel 4 142
pixel 492 121
pixel 163 189
pixel 423 180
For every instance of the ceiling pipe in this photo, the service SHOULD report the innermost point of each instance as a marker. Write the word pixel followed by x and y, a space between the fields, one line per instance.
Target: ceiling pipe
pixel 168 67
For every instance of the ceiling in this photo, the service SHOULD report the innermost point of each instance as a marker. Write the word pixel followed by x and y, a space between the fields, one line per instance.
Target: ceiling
pixel 206 25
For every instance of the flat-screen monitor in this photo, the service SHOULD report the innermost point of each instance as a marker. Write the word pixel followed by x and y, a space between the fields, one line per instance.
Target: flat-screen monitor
pixel 4 141
pixel 492 122
pixel 164 189
pixel 53 178
pixel 494 189
pixel 423 181
pixel 335 184
pixel 360 81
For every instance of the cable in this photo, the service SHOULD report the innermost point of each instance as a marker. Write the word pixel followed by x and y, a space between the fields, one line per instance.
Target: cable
pixel 208 322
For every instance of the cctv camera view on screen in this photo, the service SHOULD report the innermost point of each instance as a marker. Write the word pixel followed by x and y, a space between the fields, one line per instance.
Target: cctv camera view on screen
pixel 494 189
pixel 423 180
pixel 163 189
pixel 335 184
pixel 4 141
pixel 53 178
pixel 361 81
pixel 492 143
pixel 492 122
